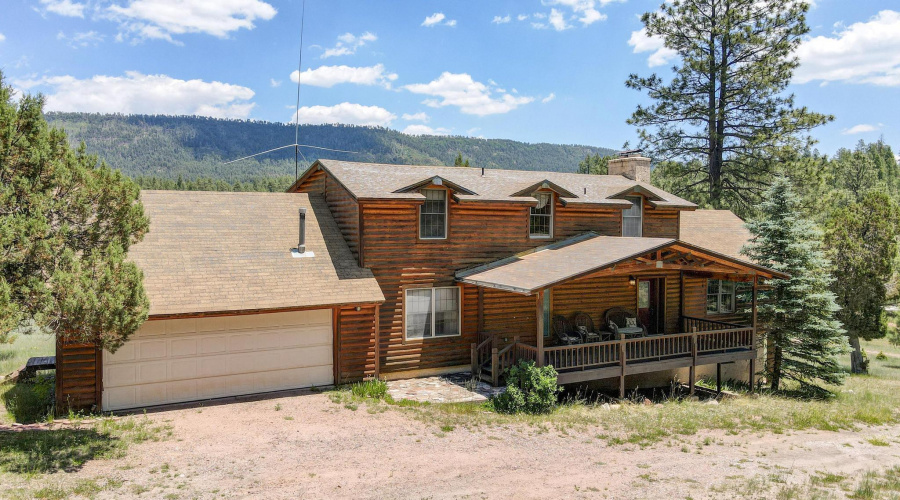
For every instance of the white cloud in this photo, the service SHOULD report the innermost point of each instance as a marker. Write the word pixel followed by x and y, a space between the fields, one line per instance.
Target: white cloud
pixel 522 17
pixel 161 19
pixel 583 11
pixel 345 112
pixel 416 117
pixel 548 98
pixel 136 93
pixel 557 20
pixel 473 98
pixel 66 8
pixel 862 128
pixel 2 37
pixel 425 130
pixel 661 55
pixel 329 76
pixel 84 39
pixel 348 43
pixel 502 20
pixel 274 83
pixel 864 52
pixel 438 18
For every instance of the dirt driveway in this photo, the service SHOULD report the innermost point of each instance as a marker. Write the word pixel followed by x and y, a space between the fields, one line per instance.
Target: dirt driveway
pixel 307 446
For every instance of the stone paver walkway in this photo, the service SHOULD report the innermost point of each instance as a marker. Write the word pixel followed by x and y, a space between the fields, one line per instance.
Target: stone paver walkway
pixel 453 388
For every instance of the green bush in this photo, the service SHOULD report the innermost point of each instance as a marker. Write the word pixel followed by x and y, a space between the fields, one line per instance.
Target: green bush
pixel 372 388
pixel 30 401
pixel 529 389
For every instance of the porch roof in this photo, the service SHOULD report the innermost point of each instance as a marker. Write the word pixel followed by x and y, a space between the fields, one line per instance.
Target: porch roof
pixel 588 253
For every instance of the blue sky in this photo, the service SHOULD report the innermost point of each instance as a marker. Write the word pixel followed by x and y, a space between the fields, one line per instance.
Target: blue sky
pixel 530 70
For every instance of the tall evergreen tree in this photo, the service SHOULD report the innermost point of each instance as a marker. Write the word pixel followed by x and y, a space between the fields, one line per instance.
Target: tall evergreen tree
pixel 862 242
pixel 803 337
pixel 594 164
pixel 66 224
pixel 725 113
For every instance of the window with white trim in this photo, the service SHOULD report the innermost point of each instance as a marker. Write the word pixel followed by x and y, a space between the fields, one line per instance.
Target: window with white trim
pixel 432 312
pixel 433 215
pixel 633 218
pixel 540 222
pixel 720 296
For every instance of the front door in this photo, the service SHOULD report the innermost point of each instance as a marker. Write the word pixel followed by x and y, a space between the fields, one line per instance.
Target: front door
pixel 651 305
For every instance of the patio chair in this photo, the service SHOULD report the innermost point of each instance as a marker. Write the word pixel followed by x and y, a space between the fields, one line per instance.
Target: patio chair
pixel 563 331
pixel 617 320
pixel 584 327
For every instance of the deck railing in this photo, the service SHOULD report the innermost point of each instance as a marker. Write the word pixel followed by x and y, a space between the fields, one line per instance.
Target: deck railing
pixel 691 324
pixel 656 348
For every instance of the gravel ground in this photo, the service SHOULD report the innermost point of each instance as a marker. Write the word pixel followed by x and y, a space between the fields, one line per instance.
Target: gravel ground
pixel 306 446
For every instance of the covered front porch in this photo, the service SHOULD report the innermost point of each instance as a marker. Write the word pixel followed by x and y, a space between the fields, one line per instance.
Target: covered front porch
pixel 663 282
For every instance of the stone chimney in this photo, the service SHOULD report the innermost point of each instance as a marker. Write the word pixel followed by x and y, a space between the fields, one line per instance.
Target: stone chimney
pixel 632 165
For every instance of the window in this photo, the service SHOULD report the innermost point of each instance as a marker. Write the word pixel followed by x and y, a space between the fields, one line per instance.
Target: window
pixel 719 296
pixel 433 215
pixel 432 312
pixel 540 224
pixel 632 218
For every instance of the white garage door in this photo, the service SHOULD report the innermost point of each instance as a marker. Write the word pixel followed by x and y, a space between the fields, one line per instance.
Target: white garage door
pixel 172 361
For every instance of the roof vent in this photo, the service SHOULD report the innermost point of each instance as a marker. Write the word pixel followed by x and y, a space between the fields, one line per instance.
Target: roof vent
pixel 300 251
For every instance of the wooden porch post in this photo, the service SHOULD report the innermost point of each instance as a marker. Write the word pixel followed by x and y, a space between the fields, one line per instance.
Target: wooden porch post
pixel 753 338
pixel 540 328
pixel 719 378
pixel 622 366
pixel 693 373
pixel 480 310
pixel 377 340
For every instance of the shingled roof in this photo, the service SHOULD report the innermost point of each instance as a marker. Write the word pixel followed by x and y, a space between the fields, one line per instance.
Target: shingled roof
pixel 580 255
pixel 717 230
pixel 224 252
pixel 383 181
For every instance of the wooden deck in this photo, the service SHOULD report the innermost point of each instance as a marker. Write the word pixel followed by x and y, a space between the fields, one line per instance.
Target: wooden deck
pixel 708 342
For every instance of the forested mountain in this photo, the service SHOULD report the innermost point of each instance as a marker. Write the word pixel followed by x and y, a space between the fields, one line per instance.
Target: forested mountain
pixel 195 147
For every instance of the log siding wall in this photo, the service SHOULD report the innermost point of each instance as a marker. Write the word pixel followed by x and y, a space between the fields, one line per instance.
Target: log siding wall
pixel 78 376
pixel 383 234
pixel 355 343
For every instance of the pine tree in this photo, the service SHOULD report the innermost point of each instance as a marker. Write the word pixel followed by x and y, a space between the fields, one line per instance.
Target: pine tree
pixel 862 242
pixel 803 337
pixel 458 162
pixel 725 109
pixel 594 164
pixel 66 224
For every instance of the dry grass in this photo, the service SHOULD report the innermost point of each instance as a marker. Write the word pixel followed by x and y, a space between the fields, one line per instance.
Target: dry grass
pixel 863 400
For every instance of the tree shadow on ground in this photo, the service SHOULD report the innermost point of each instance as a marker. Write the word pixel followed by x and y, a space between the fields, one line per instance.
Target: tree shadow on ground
pixel 44 451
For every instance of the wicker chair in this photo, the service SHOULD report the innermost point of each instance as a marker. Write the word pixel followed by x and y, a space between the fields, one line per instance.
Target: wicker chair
pixel 584 327
pixel 563 331
pixel 616 320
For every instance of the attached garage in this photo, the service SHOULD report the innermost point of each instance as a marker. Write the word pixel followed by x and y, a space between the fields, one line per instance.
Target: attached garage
pixel 233 310
pixel 178 360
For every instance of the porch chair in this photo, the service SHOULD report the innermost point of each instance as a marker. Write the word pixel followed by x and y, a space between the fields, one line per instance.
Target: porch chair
pixel 563 331
pixel 584 327
pixel 616 319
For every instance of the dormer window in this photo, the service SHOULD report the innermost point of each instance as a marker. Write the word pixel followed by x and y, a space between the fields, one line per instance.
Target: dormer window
pixel 540 224
pixel 433 215
pixel 633 218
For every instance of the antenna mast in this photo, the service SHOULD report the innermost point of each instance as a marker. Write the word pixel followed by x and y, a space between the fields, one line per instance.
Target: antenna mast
pixel 297 108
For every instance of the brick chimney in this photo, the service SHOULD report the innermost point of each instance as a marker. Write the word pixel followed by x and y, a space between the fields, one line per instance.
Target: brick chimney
pixel 631 165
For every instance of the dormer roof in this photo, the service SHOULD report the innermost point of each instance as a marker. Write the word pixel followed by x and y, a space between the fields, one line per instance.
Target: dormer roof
pixel 374 181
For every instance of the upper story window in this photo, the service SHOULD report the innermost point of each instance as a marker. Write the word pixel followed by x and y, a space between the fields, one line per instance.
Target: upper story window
pixel 432 312
pixel 633 218
pixel 719 296
pixel 540 221
pixel 433 215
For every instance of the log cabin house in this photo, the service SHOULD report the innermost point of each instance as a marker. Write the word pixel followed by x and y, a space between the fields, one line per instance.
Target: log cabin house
pixel 406 271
